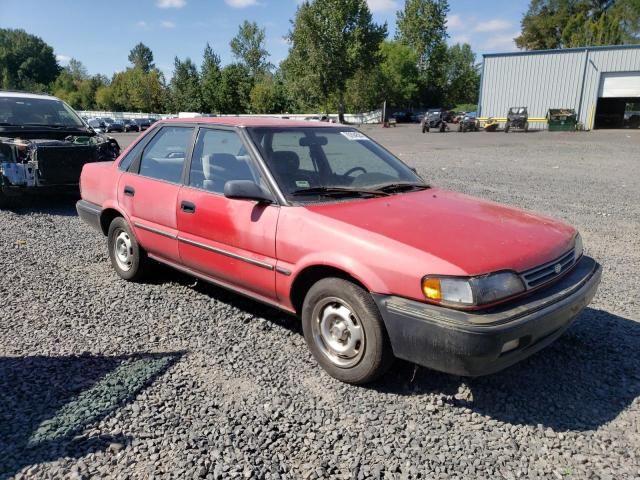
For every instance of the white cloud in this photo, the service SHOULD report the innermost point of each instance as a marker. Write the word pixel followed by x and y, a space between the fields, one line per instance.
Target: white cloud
pixel 241 3
pixel 63 58
pixel 382 5
pixel 495 25
pixel 167 24
pixel 171 3
pixel 141 24
pixel 502 42
pixel 460 39
pixel 454 22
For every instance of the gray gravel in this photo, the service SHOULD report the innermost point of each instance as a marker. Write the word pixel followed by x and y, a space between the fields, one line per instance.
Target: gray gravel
pixel 178 379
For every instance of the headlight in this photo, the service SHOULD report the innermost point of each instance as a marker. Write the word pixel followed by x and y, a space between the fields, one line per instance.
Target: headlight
pixel 578 249
pixel 472 291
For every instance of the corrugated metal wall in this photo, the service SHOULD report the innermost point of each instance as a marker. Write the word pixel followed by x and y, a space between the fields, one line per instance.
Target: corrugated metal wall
pixel 551 79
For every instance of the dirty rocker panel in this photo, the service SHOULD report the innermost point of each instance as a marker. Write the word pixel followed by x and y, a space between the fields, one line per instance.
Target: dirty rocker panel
pixel 228 286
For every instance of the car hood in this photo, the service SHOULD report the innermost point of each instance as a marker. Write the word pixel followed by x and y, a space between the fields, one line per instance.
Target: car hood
pixel 477 236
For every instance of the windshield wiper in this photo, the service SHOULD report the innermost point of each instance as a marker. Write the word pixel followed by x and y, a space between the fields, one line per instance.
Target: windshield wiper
pixel 401 187
pixel 332 191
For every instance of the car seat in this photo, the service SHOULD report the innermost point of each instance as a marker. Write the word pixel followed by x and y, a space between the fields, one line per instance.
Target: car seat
pixel 286 166
pixel 219 168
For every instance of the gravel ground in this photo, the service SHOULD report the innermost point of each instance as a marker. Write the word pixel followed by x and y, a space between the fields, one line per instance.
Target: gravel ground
pixel 178 379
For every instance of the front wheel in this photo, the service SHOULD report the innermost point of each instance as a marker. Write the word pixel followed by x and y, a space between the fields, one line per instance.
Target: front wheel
pixel 127 257
pixel 345 332
pixel 506 128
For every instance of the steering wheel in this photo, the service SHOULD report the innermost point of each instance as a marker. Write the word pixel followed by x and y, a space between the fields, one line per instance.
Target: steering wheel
pixel 354 169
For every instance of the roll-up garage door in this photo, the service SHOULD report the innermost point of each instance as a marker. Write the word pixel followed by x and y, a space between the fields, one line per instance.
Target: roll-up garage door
pixel 619 85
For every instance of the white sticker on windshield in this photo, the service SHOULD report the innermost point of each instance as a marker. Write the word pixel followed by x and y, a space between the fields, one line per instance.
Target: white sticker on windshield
pixel 354 136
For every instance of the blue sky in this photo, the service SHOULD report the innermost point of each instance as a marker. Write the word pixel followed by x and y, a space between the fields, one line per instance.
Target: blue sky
pixel 100 34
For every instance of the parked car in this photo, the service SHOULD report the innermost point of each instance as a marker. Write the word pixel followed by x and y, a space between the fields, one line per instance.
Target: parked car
pixel 113 125
pixel 416 117
pixel 130 125
pixel 44 144
pixel 144 123
pixel 322 222
pixel 97 124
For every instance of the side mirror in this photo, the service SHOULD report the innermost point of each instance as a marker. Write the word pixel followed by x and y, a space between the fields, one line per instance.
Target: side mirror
pixel 246 190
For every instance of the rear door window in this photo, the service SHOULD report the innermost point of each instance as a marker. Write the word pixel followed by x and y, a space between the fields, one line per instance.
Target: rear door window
pixel 163 158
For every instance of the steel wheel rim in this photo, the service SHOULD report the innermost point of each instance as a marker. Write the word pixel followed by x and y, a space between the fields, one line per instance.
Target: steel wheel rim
pixel 123 250
pixel 338 332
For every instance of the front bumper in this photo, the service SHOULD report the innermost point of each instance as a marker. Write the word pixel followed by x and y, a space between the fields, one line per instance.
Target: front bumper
pixel 480 343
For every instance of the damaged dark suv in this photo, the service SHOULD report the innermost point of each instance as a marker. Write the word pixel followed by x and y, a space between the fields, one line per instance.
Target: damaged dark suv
pixel 44 144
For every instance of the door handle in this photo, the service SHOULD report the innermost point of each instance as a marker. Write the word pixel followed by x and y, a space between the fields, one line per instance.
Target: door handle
pixel 187 207
pixel 129 191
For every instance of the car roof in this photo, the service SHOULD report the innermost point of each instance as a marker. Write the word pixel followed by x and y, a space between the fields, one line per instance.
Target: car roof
pixel 12 94
pixel 248 122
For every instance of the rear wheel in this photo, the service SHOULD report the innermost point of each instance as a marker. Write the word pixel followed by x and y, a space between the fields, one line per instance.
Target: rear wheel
pixel 127 257
pixel 526 126
pixel 4 200
pixel 345 332
pixel 506 127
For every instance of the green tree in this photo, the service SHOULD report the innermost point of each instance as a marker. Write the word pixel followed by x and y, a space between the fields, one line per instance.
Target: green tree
pixel 26 61
pixel 399 74
pixel 577 23
pixel 141 57
pixel 463 79
pixel 248 47
pixel 235 88
pixel 422 25
pixel 211 77
pixel 330 41
pixel 363 91
pixel 185 87
pixel 267 95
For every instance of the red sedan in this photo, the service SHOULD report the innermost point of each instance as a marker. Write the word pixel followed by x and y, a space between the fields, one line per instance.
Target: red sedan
pixel 321 221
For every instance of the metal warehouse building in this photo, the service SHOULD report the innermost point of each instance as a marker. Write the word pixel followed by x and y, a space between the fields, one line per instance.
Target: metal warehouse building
pixel 599 83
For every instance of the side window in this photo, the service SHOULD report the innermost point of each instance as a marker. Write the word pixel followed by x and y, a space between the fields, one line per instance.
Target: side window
pixel 163 158
pixel 219 156
pixel 132 154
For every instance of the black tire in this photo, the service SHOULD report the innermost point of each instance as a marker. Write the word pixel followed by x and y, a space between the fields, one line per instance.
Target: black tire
pixel 137 261
pixel 526 126
pixel 4 200
pixel 425 129
pixel 374 356
pixel 506 127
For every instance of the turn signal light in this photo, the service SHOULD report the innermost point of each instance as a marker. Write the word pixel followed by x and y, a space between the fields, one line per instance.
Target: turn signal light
pixel 432 289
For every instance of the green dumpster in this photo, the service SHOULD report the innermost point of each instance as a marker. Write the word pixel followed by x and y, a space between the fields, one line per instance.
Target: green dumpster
pixel 562 119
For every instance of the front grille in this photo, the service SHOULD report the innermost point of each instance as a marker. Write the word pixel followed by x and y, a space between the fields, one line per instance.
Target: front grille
pixel 547 272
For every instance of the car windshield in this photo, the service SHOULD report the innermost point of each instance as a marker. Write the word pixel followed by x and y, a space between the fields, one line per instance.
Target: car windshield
pixel 26 111
pixel 315 162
